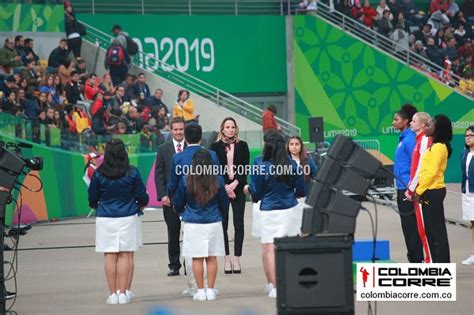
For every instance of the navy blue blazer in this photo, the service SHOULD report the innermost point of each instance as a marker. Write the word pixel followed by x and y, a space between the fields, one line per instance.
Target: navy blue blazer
pixel 117 198
pixel 313 171
pixel 275 195
pixel 180 160
pixel 185 204
pixel 469 176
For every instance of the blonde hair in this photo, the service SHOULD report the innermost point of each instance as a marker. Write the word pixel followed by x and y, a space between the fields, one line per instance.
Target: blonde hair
pixel 221 133
pixel 423 117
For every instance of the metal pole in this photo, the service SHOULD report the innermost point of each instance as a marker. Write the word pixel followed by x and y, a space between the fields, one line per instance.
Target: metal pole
pixel 236 2
pixel 189 7
pixel 93 6
pixel 143 7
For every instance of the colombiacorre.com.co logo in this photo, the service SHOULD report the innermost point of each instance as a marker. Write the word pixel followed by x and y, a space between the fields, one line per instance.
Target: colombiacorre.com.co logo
pixel 406 282
pixel 241 170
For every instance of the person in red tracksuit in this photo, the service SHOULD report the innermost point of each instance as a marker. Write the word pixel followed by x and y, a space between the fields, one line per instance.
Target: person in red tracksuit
pixel 419 121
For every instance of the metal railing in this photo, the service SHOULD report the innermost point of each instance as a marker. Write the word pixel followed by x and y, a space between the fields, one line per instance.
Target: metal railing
pixel 383 43
pixel 188 7
pixel 149 63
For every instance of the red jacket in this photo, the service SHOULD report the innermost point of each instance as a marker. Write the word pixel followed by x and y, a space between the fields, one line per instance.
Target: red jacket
pixel 369 15
pixel 438 5
pixel 268 120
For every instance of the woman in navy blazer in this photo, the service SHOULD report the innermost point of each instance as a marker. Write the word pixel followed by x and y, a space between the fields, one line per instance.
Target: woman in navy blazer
pixel 297 152
pixel 467 186
pixel 233 153
pixel 276 184
pixel 118 193
pixel 199 200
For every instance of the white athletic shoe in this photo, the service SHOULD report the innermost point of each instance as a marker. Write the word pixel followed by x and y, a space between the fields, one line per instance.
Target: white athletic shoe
pixel 200 295
pixel 210 294
pixel 189 291
pixel 268 288
pixel 130 295
pixel 112 299
pixel 273 293
pixel 123 299
pixel 469 261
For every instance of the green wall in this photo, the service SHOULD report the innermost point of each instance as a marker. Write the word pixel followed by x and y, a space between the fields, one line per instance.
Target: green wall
pixel 31 18
pixel 238 54
pixel 358 89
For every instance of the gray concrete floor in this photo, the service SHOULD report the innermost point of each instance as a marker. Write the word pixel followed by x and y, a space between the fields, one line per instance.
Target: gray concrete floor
pixel 69 279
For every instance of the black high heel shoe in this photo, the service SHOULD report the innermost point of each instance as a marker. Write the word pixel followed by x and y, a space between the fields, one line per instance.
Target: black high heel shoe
pixel 237 271
pixel 228 271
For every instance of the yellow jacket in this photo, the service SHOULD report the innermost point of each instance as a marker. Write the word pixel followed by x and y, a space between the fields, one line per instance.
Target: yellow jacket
pixel 433 168
pixel 186 112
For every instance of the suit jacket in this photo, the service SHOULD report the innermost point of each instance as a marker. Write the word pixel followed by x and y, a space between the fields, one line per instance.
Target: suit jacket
pixel 241 157
pixel 164 156
pixel 182 159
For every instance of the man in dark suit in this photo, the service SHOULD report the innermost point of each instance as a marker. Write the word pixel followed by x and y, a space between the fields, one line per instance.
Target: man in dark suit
pixel 164 156
pixel 193 136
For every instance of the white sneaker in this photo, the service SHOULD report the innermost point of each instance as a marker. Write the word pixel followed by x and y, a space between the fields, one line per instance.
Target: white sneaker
pixel 469 261
pixel 210 294
pixel 130 295
pixel 190 291
pixel 123 299
pixel 113 299
pixel 273 293
pixel 268 288
pixel 200 295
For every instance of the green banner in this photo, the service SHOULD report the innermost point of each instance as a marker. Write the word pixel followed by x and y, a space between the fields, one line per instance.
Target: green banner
pixel 357 89
pixel 31 18
pixel 238 54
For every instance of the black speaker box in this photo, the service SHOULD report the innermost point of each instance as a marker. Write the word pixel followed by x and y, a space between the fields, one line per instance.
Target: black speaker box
pixel 314 275
pixel 316 129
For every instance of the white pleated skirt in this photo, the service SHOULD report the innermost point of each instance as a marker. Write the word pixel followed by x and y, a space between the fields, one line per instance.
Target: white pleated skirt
pixel 203 239
pixel 468 206
pixel 256 222
pixel 113 235
pixel 281 223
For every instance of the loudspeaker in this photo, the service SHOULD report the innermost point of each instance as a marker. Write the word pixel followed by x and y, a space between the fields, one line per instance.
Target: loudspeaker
pixel 335 174
pixel 316 129
pixel 314 275
pixel 343 149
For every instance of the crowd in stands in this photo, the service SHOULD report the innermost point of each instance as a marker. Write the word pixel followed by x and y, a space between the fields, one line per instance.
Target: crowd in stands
pixel 442 33
pixel 63 94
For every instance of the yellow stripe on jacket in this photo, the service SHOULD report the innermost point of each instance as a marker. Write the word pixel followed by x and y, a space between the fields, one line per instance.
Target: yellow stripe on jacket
pixel 433 168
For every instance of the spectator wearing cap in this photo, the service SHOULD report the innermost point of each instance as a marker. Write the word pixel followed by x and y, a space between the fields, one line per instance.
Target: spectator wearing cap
pixel 466 49
pixel 74 40
pixel 91 87
pixel 420 49
pixel 120 36
pixel 30 73
pixel 29 52
pixel 73 89
pixel 7 86
pixel 9 58
pixel 58 56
